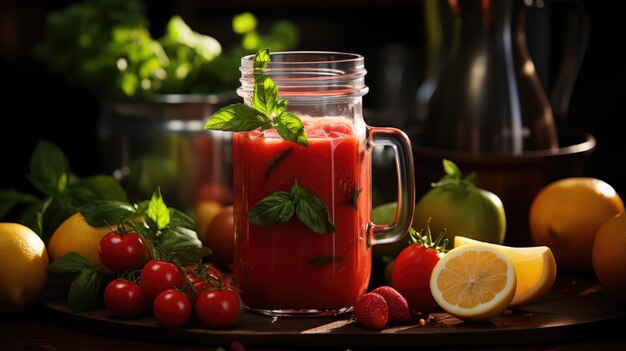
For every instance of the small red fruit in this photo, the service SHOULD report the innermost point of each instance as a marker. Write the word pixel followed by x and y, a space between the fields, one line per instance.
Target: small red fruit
pixel 121 252
pixel 398 307
pixel 371 311
pixel 172 308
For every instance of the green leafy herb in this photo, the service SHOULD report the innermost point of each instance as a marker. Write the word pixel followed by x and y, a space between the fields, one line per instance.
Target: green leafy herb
pixel 276 160
pixel 280 206
pixel 63 192
pixel 99 213
pixel 268 109
pixel 157 211
pixel 84 290
pixel 318 261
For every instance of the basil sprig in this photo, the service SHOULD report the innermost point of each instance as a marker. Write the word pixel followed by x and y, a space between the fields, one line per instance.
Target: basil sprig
pixel 268 109
pixel 280 207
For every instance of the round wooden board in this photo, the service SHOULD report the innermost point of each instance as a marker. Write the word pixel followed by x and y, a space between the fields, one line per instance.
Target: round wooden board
pixel 569 312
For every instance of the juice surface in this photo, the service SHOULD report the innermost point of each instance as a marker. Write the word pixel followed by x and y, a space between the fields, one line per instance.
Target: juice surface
pixel 288 266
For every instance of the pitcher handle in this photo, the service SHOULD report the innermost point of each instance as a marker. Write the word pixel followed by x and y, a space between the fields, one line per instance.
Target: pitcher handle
pixel 401 145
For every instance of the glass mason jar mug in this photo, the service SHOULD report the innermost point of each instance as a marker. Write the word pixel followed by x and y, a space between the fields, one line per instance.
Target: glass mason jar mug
pixel 287 268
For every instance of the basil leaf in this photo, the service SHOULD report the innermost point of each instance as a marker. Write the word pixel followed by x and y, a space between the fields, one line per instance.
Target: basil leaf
pixel 72 263
pixel 265 95
pixel 261 58
pixel 276 160
pixel 280 106
pixel 313 212
pixel 236 118
pixel 181 219
pixel 100 187
pixel 290 127
pixel 273 209
pixel 141 208
pixel 84 291
pixel 157 211
pixel 49 169
pixel 99 213
pixel 54 211
pixel 30 218
pixel 10 198
pixel 183 244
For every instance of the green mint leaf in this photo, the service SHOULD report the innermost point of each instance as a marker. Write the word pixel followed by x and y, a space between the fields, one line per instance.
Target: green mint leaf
pixel 99 187
pixel 72 263
pixel 313 212
pixel 265 95
pixel 157 211
pixel 10 198
pixel 99 213
pixel 273 209
pixel 261 58
pixel 276 160
pixel 237 118
pixel 84 291
pixel 290 127
pixel 319 261
pixel 49 169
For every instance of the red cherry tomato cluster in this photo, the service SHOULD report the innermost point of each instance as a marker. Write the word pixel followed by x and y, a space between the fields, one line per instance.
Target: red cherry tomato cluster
pixel 174 291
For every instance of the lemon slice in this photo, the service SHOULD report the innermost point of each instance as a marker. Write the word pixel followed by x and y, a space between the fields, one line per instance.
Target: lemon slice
pixel 535 268
pixel 474 282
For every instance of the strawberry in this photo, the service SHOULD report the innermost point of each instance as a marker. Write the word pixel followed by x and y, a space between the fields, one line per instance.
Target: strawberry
pixel 398 306
pixel 371 311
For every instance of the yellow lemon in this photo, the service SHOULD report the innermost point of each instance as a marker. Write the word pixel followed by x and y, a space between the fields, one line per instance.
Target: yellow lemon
pixel 535 269
pixel 474 282
pixel 566 216
pixel 23 267
pixel 609 255
pixel 76 235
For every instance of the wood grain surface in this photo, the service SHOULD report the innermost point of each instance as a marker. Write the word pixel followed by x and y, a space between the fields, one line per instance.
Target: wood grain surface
pixel 573 310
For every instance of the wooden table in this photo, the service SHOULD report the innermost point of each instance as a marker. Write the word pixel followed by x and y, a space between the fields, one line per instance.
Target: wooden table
pixel 575 315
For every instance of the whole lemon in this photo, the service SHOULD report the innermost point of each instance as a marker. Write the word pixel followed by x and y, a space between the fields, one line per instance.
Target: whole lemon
pixel 76 235
pixel 566 215
pixel 609 255
pixel 23 267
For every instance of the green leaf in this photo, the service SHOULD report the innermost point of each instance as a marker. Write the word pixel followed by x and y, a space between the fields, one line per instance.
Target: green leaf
pixel 312 211
pixel 236 118
pixel 290 127
pixel 158 211
pixel 30 218
pixel 84 291
pixel 261 58
pixel 451 169
pixel 101 187
pixel 72 263
pixel 49 169
pixel 265 95
pixel 273 209
pixel 181 219
pixel 183 244
pixel 10 198
pixel 99 213
pixel 54 211
pixel 280 106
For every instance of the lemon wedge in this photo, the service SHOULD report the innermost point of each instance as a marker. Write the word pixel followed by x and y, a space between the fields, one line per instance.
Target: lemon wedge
pixel 474 282
pixel 535 268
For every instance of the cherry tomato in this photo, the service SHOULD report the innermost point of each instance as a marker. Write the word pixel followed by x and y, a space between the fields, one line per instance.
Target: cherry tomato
pixel 157 276
pixel 412 270
pixel 220 237
pixel 124 299
pixel 121 252
pixel 172 308
pixel 218 308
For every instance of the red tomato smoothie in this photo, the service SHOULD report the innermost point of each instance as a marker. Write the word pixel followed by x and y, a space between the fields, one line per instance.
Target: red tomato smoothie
pixel 288 266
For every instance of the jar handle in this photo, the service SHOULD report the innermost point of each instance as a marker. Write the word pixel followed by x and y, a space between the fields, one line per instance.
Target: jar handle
pixel 401 145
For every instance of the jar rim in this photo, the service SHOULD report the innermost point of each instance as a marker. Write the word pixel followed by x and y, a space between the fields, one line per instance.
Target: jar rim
pixel 333 57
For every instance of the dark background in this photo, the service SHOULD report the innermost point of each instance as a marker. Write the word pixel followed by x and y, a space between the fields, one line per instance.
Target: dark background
pixel 37 105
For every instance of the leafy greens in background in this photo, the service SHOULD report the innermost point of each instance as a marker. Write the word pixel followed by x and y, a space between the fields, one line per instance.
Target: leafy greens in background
pixel 106 46
pixel 62 192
